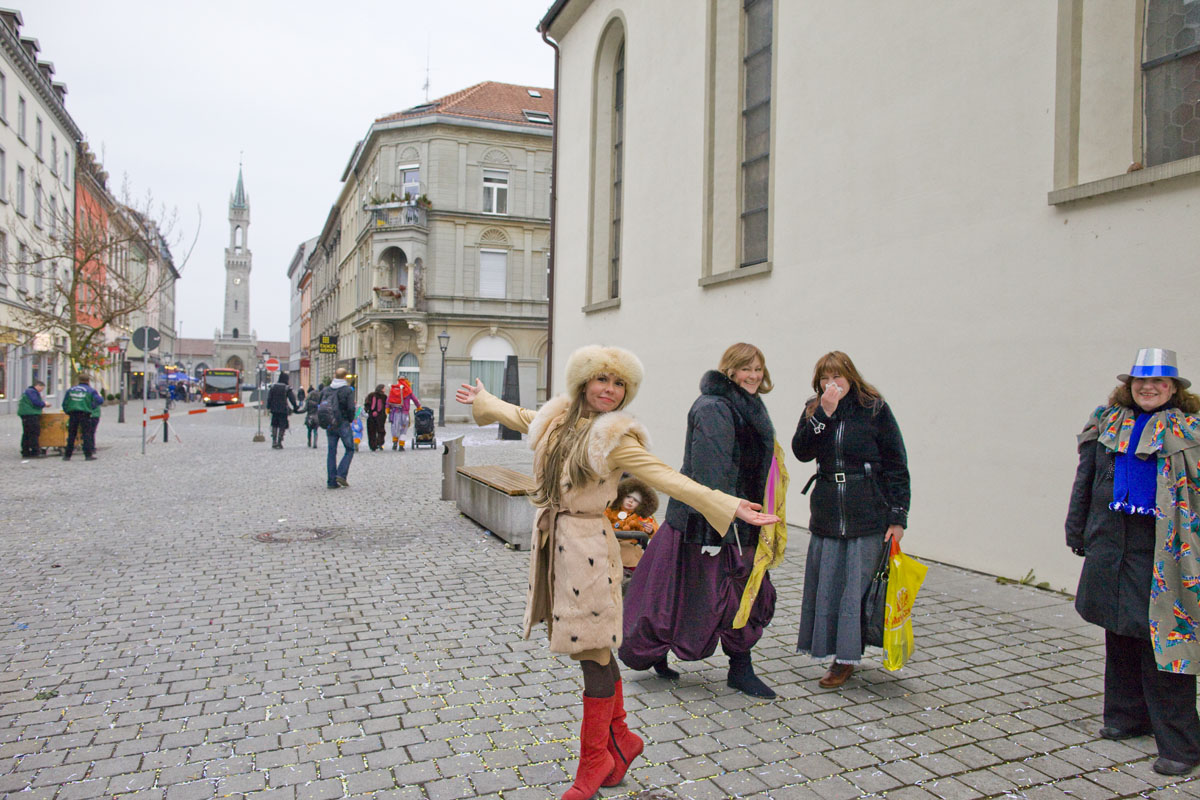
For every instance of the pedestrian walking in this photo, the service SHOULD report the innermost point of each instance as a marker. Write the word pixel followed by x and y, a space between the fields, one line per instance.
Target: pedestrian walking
pixel 341 395
pixel 1131 519
pixel 281 402
pixel 376 407
pixel 29 409
pixel 80 401
pixel 310 415
pixel 859 504
pixel 688 586
pixel 582 442
pixel 401 400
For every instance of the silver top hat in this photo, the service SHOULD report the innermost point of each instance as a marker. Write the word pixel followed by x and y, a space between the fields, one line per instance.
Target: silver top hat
pixel 1155 362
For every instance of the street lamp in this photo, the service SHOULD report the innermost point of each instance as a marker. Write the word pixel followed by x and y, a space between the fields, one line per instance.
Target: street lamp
pixel 443 342
pixel 123 345
pixel 262 365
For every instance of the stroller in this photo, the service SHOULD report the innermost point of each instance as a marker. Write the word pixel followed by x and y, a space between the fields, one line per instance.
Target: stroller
pixel 423 427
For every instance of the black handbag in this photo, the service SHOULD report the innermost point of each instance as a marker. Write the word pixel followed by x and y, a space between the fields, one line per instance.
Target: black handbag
pixel 875 600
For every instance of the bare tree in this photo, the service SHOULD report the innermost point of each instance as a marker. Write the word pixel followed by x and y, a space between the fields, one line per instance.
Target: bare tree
pixel 83 279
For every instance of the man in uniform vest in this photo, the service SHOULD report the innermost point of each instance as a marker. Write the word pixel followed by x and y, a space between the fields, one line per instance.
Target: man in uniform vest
pixel 80 402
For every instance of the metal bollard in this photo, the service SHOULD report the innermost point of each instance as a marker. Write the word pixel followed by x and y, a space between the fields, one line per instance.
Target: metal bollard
pixel 454 455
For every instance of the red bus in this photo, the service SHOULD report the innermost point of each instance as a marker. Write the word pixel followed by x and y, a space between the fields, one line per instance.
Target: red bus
pixel 221 387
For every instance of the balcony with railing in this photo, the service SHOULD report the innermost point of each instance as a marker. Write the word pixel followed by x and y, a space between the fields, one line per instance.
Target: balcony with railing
pixel 395 216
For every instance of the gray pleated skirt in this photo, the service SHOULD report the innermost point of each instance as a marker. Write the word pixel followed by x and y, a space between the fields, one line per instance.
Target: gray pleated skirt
pixel 836 576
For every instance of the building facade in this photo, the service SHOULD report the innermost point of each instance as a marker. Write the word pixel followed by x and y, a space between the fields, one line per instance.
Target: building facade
pixel 990 224
pixel 37 149
pixel 442 224
pixel 297 359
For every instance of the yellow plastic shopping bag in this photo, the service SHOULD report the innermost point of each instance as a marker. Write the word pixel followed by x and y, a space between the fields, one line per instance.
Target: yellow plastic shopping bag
pixel 905 576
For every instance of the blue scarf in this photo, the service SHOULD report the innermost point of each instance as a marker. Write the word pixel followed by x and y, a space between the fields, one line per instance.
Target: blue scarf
pixel 1134 478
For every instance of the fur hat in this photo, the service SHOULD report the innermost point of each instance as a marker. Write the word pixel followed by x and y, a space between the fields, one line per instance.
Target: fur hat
pixel 592 360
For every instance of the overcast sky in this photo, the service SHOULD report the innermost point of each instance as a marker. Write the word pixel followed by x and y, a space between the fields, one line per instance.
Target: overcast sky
pixel 174 93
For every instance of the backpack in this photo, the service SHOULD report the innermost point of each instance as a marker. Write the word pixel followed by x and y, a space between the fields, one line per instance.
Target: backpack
pixel 327 411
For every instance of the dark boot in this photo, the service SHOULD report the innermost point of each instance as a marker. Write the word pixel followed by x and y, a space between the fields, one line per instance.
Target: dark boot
pixel 623 744
pixel 594 761
pixel 742 677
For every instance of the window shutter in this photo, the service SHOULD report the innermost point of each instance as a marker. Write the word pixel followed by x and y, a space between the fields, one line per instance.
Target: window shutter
pixel 493 273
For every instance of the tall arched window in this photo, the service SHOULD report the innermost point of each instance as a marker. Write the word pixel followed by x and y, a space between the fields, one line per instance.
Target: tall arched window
pixel 409 367
pixel 608 166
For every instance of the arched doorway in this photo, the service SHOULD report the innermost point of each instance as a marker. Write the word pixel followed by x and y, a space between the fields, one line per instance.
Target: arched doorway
pixel 234 362
pixel 488 356
pixel 392 263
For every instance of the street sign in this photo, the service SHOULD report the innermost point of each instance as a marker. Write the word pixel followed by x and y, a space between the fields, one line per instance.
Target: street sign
pixel 272 365
pixel 146 338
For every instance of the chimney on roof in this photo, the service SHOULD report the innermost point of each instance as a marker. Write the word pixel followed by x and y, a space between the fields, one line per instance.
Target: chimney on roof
pixel 31 46
pixel 60 89
pixel 12 18
pixel 47 70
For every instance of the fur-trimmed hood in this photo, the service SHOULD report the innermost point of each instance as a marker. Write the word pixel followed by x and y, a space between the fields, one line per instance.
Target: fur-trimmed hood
pixel 592 360
pixel 607 430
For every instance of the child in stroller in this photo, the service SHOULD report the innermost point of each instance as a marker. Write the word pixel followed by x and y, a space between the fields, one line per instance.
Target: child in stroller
pixel 631 515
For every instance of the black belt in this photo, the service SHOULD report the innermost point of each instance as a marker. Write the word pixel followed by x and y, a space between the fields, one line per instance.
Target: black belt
pixel 838 477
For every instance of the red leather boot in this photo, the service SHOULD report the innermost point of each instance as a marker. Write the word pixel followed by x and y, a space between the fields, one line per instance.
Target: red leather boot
pixel 594 761
pixel 623 744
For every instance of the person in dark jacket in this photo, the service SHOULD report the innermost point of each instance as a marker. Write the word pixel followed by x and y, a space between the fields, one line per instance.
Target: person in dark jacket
pixel 311 400
pixel 279 398
pixel 376 407
pixel 30 412
pixel 343 407
pixel 859 504
pixel 1113 523
pixel 689 583
pixel 80 401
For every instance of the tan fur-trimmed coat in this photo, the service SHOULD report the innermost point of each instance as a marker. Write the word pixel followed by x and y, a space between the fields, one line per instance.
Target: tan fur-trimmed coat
pixel 575 586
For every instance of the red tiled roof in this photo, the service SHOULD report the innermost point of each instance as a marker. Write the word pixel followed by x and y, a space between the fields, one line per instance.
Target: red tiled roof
pixel 500 102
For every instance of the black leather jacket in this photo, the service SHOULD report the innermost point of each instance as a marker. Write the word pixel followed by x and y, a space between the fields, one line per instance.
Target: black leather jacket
pixel 862 483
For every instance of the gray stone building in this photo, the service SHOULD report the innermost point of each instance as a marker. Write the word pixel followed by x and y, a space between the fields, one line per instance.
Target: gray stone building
pixel 235 345
pixel 442 224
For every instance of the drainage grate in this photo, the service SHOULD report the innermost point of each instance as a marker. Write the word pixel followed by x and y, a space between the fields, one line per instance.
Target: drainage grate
pixel 294 536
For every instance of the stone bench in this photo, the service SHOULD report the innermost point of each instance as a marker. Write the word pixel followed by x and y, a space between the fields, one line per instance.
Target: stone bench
pixel 498 499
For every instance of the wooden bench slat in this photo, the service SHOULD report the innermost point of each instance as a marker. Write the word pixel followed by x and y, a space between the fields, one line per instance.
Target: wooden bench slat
pixel 511 482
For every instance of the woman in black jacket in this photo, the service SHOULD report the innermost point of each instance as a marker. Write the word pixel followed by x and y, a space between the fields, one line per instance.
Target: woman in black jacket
pixel 860 503
pixel 687 588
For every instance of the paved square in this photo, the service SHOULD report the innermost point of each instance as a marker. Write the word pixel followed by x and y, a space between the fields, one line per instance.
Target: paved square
pixel 153 645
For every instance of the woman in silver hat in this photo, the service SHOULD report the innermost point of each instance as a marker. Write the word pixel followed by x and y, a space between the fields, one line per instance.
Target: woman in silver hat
pixel 582 441
pixel 1131 519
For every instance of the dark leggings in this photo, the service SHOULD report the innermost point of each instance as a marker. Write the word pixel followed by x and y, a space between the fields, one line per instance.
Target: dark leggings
pixel 600 680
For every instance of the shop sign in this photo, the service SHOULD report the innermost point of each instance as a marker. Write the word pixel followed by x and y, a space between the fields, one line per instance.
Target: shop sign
pixel 328 344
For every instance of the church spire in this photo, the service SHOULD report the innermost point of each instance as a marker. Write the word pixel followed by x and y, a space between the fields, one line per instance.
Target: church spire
pixel 239 199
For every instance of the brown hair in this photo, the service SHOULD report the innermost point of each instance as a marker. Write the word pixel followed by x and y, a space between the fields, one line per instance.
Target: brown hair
pixel 566 448
pixel 838 363
pixel 741 355
pixel 1184 400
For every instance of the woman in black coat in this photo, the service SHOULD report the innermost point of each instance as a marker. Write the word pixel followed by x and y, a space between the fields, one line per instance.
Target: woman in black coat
pixel 859 504
pixel 687 588
pixel 1111 522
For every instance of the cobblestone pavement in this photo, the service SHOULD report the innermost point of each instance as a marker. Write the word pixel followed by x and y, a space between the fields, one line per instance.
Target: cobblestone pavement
pixel 153 647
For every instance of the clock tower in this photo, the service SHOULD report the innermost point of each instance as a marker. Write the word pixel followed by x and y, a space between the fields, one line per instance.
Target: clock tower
pixel 237 266
pixel 235 345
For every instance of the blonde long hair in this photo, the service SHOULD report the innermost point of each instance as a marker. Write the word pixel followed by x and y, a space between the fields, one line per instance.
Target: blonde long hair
pixel 566 448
